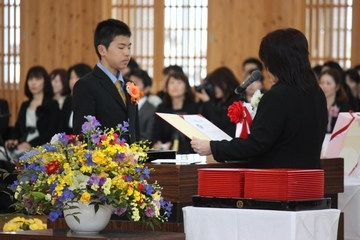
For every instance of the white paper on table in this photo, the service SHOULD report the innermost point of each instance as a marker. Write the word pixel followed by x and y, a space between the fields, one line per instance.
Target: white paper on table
pixel 195 125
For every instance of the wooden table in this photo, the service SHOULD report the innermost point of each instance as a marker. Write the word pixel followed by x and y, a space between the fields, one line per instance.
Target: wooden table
pixel 65 234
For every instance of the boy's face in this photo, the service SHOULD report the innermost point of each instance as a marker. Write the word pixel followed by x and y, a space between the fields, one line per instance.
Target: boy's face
pixel 117 56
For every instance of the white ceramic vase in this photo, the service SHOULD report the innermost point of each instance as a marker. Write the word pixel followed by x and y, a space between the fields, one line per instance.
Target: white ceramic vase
pixel 90 222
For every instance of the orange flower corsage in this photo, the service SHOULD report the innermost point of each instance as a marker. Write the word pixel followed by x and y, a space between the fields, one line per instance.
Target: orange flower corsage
pixel 134 92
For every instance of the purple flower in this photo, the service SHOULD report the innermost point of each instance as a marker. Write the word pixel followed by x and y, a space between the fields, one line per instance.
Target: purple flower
pixel 124 126
pixel 120 211
pixel 149 212
pixel 102 181
pixel 128 179
pixel 167 206
pixel 94 179
pixel 95 138
pixel 90 125
pixel 63 139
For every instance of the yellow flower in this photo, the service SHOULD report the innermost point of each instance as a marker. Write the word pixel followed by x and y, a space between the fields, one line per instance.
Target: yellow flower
pixel 11 227
pixel 85 197
pixel 98 157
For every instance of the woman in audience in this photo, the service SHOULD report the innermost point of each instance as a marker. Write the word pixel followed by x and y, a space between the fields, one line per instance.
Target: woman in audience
pixel 217 94
pixel 74 74
pixel 336 98
pixel 60 85
pixel 38 118
pixel 146 109
pixel 178 99
pixel 290 124
pixel 352 79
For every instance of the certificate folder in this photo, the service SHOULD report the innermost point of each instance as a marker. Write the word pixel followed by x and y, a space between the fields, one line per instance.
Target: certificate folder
pixel 249 203
pixel 195 125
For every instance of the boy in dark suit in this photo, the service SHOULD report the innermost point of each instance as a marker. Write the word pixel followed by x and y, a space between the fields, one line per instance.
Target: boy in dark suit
pixel 97 93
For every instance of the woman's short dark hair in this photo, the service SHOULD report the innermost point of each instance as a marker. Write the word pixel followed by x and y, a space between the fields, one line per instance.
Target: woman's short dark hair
pixel 285 54
pixel 143 75
pixel 64 80
pixel 81 69
pixel 172 69
pixel 189 95
pixel 225 79
pixel 341 96
pixel 107 30
pixel 39 72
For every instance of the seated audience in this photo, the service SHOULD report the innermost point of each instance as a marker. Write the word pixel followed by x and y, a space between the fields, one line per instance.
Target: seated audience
pixel 38 117
pixel 74 74
pixel 352 79
pixel 336 98
pixel 178 99
pixel 60 85
pixel 146 109
pixel 216 95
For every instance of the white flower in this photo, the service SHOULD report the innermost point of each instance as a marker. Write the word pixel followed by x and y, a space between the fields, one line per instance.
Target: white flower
pixel 55 138
pixel 255 99
pixel 48 197
pixel 80 181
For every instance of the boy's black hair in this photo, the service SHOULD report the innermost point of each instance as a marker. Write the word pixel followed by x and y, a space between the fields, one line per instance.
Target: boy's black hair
pixel 107 30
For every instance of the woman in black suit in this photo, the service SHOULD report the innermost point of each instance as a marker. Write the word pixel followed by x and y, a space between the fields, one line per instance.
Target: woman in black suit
pixel 38 118
pixel 290 124
pixel 178 99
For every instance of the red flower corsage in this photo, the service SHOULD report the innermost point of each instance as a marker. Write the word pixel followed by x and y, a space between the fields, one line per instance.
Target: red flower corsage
pixel 239 114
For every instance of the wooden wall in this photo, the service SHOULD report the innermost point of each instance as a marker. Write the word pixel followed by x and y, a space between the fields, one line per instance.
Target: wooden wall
pixel 57 34
pixel 60 33
pixel 237 27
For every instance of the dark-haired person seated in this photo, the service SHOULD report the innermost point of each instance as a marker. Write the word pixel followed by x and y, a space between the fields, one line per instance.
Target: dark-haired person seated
pixel 290 125
pixel 38 117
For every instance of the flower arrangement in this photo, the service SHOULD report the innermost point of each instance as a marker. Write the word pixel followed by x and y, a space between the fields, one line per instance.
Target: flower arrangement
pixel 21 224
pixel 96 167
pixel 134 92
pixel 242 114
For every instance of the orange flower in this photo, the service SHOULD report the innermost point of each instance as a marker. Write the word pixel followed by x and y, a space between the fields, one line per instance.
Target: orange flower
pixel 134 92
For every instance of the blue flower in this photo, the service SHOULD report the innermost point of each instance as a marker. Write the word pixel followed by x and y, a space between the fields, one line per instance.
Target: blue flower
pixel 52 186
pixel 53 216
pixel 49 148
pixel 14 185
pixel 89 161
pixel 28 155
pixel 146 172
pixel 149 190
pixel 66 195
pixel 33 177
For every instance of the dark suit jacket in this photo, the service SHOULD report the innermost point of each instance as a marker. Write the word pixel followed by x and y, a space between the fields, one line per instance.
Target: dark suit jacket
pixel 48 116
pixel 96 95
pixel 4 117
pixel 65 116
pixel 147 119
pixel 287 132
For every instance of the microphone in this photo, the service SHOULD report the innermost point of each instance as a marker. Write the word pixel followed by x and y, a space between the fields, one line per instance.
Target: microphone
pixel 255 75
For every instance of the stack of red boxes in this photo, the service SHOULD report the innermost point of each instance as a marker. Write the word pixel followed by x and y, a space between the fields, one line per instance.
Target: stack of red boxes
pixel 268 184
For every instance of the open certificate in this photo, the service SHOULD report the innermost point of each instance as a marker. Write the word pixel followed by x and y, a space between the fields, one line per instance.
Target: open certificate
pixel 195 125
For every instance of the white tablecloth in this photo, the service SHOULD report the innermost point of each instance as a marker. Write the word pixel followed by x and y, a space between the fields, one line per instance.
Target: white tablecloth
pixel 349 203
pixel 247 224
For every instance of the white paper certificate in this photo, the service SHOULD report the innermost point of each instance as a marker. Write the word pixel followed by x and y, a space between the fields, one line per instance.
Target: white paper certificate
pixel 195 125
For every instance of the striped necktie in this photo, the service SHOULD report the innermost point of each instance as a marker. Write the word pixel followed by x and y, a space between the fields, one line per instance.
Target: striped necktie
pixel 120 90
